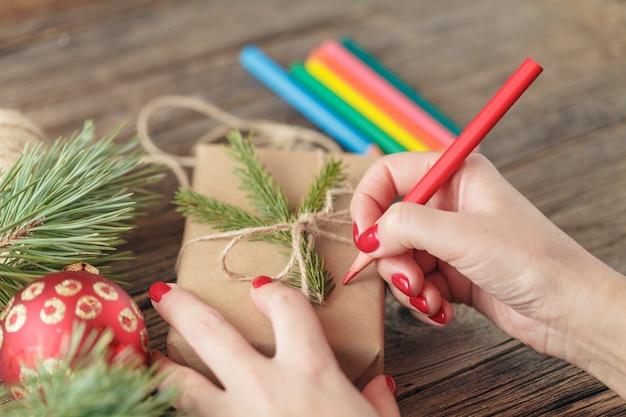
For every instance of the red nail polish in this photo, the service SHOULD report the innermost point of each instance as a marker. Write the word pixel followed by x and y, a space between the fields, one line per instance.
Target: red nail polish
pixel 420 302
pixel 391 384
pixel 158 290
pixel 402 283
pixel 368 241
pixel 355 233
pixel 261 281
pixel 439 317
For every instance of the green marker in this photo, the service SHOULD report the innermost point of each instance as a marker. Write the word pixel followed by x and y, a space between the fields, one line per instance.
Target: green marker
pixel 360 122
pixel 394 80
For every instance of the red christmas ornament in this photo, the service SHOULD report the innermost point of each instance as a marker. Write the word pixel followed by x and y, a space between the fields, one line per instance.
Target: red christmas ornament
pixel 38 320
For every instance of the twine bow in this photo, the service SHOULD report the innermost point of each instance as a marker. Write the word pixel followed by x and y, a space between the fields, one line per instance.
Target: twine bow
pixel 307 227
pixel 304 229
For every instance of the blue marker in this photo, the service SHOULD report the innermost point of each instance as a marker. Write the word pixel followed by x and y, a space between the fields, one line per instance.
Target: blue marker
pixel 280 81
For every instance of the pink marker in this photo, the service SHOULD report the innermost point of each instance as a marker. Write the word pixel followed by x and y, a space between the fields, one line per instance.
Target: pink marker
pixel 380 91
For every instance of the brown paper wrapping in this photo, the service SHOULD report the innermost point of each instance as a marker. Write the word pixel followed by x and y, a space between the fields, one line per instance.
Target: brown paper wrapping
pixel 352 316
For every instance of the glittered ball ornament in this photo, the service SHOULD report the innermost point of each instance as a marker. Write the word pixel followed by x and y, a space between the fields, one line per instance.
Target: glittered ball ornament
pixel 36 325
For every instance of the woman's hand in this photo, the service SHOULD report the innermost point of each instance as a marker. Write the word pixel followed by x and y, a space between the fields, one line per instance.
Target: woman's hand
pixel 302 379
pixel 478 241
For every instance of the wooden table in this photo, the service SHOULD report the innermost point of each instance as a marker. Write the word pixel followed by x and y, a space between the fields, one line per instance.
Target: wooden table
pixel 563 145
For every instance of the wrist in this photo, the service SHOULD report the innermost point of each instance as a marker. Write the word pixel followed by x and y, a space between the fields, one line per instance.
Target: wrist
pixel 591 333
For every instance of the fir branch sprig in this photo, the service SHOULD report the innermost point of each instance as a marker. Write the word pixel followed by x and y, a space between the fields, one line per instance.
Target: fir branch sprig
pixel 86 383
pixel 272 207
pixel 68 203
pixel 263 193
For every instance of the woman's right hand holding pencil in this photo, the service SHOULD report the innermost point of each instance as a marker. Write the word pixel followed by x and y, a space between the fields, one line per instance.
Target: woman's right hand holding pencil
pixel 478 241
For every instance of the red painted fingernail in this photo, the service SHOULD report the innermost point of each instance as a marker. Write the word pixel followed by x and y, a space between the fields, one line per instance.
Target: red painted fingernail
pixel 158 290
pixel 368 241
pixel 402 283
pixel 261 281
pixel 355 233
pixel 419 302
pixel 439 317
pixel 391 384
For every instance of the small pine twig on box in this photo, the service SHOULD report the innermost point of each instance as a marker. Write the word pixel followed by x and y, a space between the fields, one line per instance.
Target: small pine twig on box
pixel 270 203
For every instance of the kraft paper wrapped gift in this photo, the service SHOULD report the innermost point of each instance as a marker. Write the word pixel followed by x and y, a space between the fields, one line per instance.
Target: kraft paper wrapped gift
pixel 352 315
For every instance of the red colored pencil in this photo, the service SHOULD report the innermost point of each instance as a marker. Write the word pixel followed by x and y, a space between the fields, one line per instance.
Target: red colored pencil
pixel 467 141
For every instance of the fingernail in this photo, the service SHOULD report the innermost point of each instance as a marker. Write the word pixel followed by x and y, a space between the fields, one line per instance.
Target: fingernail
pixel 439 317
pixel 158 290
pixel 355 233
pixel 391 384
pixel 402 283
pixel 419 302
pixel 261 281
pixel 368 241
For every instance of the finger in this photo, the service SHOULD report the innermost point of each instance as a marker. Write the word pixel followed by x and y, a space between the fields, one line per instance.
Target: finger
pixel 197 395
pixel 297 329
pixel 220 346
pixel 381 393
pixel 442 317
pixel 406 226
pixel 385 180
pixel 402 272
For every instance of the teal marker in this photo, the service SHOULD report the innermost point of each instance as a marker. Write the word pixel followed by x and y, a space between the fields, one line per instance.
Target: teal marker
pixel 394 80
pixel 380 138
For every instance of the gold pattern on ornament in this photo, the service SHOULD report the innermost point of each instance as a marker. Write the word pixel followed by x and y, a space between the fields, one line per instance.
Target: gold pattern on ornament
pixel 5 312
pixel 1 336
pixel 18 392
pixel 16 318
pixel 88 307
pixel 136 309
pixel 143 335
pixel 106 291
pixel 32 291
pixel 53 311
pixel 68 287
pixel 127 320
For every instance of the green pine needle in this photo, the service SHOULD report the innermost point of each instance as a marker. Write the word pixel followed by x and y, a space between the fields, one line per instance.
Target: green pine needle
pixel 92 386
pixel 331 176
pixel 263 192
pixel 270 202
pixel 223 217
pixel 68 203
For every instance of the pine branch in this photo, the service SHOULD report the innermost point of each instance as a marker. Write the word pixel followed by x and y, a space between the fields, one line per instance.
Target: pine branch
pixel 320 281
pixel 223 217
pixel 271 204
pixel 264 194
pixel 331 176
pixel 83 383
pixel 69 203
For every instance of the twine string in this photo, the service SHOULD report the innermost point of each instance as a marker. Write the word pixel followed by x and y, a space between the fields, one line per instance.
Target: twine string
pixel 304 230
pixel 306 224
pixel 266 133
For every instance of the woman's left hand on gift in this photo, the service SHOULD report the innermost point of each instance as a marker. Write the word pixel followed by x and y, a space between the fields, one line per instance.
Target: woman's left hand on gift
pixel 303 378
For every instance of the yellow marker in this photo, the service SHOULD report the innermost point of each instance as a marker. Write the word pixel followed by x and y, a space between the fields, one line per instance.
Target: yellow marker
pixel 361 104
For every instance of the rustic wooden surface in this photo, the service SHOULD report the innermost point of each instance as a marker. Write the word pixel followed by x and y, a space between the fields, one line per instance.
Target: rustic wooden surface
pixel 563 145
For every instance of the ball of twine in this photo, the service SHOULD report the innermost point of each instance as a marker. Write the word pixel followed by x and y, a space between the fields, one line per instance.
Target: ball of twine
pixel 16 131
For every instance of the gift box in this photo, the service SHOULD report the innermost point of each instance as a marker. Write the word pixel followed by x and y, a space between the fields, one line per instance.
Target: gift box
pixel 352 315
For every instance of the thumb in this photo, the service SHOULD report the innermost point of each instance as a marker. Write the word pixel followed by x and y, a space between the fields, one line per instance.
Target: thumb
pixel 381 393
pixel 444 234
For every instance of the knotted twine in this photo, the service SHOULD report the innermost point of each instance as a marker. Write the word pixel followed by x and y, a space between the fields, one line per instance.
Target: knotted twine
pixel 305 228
